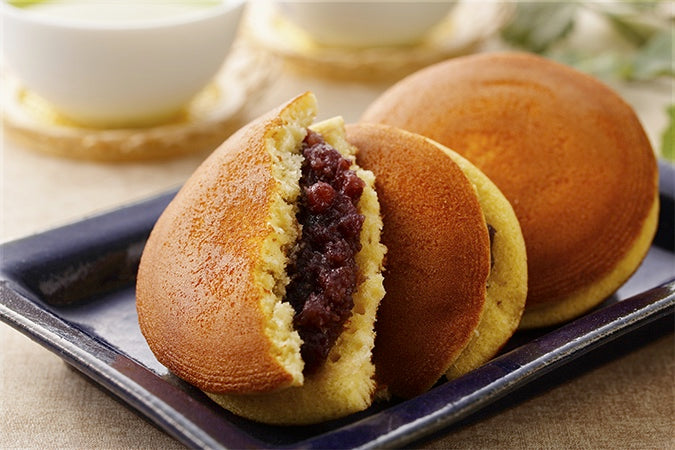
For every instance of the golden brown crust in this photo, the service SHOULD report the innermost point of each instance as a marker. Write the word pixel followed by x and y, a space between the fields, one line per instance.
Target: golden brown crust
pixel 567 152
pixel 197 299
pixel 548 314
pixel 438 257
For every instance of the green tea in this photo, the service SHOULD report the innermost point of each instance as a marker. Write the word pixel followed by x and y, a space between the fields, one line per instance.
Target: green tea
pixel 112 11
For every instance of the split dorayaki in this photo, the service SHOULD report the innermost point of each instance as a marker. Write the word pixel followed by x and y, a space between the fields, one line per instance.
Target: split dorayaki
pixel 260 281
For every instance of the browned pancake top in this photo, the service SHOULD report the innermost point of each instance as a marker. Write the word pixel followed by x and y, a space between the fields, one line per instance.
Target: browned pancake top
pixel 437 258
pixel 568 153
pixel 197 300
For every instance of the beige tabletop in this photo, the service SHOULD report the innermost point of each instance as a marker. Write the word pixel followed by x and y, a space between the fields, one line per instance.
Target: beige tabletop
pixel 619 400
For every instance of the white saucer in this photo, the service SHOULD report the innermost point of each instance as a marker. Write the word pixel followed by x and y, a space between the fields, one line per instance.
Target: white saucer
pixel 208 120
pixel 468 25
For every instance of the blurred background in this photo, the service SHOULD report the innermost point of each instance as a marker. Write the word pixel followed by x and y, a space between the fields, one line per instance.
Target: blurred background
pixel 65 62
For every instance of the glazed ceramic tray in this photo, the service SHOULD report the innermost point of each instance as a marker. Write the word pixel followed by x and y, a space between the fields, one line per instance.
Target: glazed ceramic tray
pixel 72 290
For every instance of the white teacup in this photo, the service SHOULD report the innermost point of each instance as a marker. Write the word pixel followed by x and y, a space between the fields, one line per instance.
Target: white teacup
pixel 123 63
pixel 373 23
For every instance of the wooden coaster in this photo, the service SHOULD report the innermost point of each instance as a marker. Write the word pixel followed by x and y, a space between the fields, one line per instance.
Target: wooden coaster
pixel 204 123
pixel 462 31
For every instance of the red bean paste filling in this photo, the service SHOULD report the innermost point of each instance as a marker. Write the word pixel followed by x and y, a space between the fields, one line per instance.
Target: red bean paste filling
pixel 323 268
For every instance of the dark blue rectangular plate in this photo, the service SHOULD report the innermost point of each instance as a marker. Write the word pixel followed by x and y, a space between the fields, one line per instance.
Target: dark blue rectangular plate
pixel 72 290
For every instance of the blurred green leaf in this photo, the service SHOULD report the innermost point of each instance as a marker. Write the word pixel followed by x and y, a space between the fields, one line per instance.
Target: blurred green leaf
pixel 538 25
pixel 668 137
pixel 655 58
pixel 22 3
pixel 636 21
